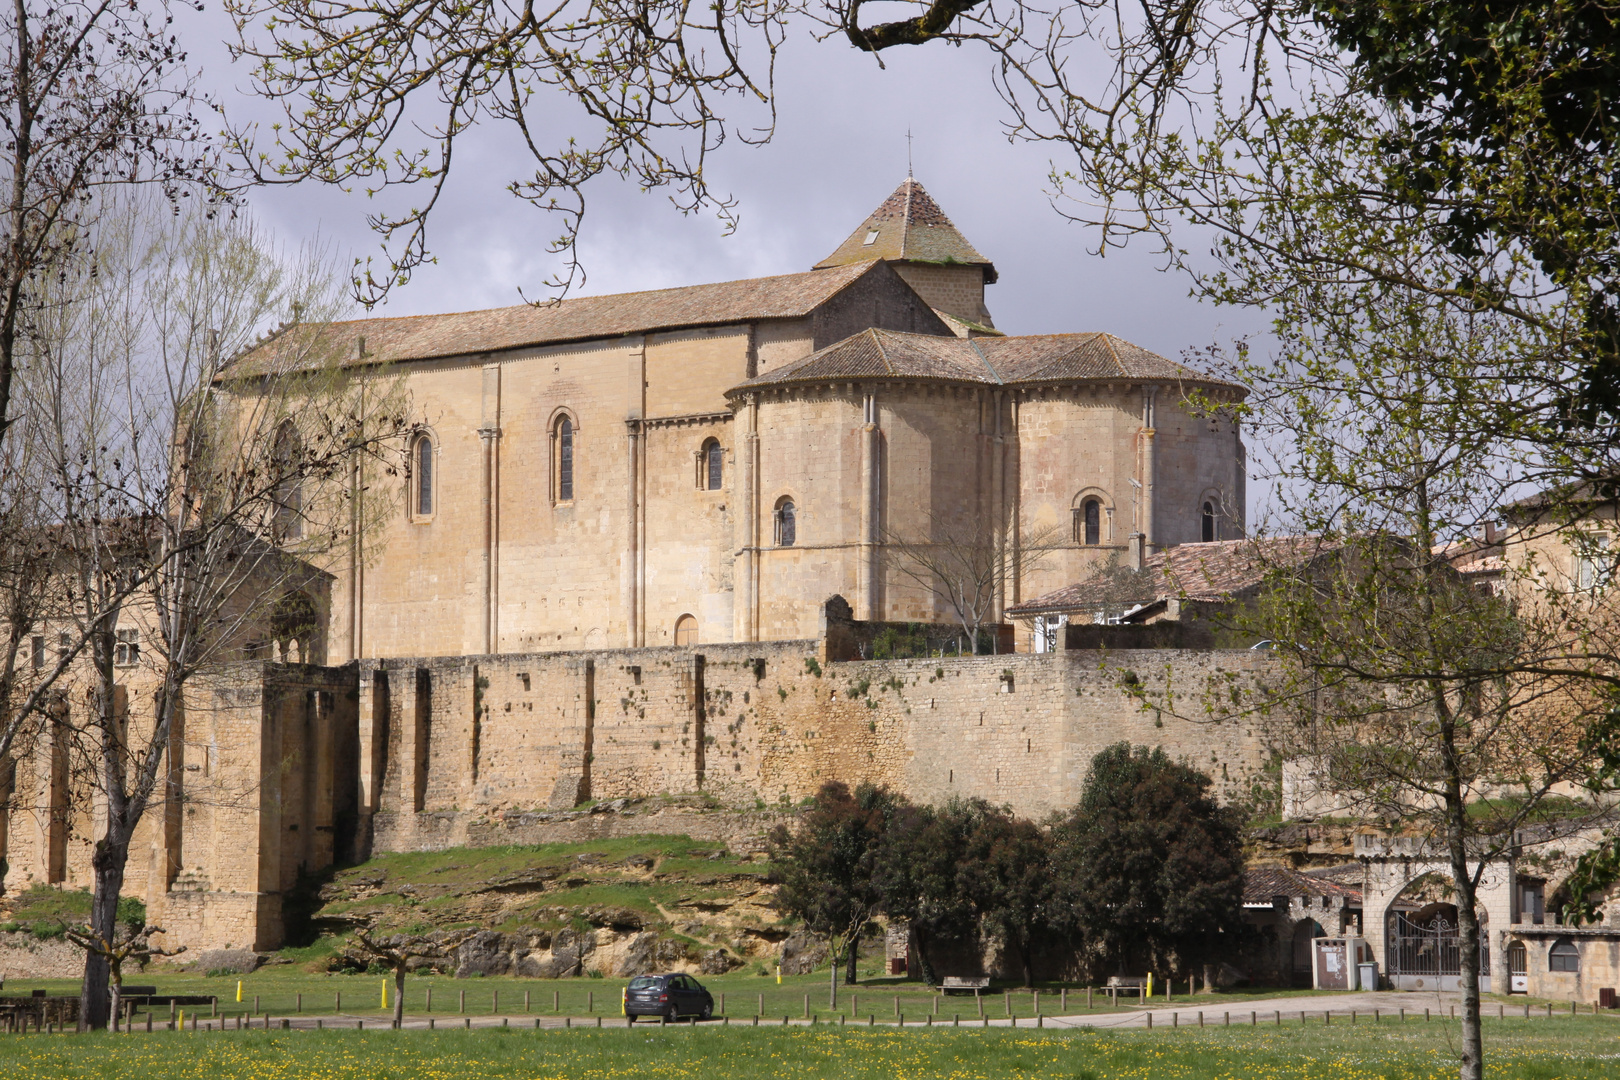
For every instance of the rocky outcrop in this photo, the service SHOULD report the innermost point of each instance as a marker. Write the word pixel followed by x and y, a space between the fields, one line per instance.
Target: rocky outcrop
pixel 802 954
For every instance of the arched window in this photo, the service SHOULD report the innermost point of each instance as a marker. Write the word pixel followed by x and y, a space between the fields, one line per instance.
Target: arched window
pixel 1564 956
pixel 686 630
pixel 787 523
pixel 288 495
pixel 564 457
pixel 1208 519
pixel 422 463
pixel 712 466
pixel 1091 522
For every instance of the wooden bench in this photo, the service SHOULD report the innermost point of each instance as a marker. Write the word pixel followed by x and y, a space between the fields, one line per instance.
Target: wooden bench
pixel 956 984
pixel 1127 984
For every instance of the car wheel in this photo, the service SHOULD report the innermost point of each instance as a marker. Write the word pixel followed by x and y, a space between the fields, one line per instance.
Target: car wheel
pixel 674 1014
pixel 630 1018
pixel 708 1010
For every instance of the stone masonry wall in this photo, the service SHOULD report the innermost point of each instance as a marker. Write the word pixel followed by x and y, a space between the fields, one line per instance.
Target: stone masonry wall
pixel 470 743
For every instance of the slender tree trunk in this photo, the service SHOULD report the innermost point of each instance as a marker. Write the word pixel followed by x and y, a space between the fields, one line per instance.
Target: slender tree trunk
pixel 849 966
pixel 832 983
pixel 399 994
pixel 1472 1063
pixel 111 855
pixel 1023 960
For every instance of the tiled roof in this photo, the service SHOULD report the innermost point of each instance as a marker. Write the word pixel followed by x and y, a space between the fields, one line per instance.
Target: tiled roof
pixel 1215 571
pixel 424 337
pixel 996 360
pixel 1261 883
pixel 908 226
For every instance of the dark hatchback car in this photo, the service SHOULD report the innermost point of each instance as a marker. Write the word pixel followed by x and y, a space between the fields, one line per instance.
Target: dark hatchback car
pixel 667 995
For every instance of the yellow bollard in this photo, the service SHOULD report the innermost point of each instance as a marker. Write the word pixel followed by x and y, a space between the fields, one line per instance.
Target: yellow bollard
pixel 385 993
pixel 778 974
pixel 624 994
pixel 1150 984
pixel 238 989
pixel 182 1017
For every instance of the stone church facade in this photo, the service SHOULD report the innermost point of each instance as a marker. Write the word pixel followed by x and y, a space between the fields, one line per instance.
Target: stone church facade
pixel 635 539
pixel 710 463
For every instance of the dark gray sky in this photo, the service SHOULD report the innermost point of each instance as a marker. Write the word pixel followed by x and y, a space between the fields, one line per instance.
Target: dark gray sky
pixel 840 149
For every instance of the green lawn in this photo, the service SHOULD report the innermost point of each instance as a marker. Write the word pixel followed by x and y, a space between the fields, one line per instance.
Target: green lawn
pixel 284 989
pixel 1576 1049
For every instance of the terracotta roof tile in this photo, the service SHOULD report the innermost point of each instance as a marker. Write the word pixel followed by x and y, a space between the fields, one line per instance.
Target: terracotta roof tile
pixel 424 337
pixel 1042 358
pixel 908 226
pixel 1211 572
pixel 1261 883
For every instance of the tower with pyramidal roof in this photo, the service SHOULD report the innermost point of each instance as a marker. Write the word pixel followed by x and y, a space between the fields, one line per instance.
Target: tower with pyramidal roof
pixel 911 233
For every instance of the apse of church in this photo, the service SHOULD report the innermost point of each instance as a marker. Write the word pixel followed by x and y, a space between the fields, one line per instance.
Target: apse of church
pixel 711 463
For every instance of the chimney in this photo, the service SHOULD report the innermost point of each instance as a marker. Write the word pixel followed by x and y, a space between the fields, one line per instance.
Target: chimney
pixel 1135 541
pixel 359 347
pixel 1491 534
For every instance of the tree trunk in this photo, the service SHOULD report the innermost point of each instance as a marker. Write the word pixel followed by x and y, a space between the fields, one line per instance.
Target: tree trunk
pixel 108 862
pixel 832 984
pixel 399 995
pixel 849 967
pixel 1472 1062
pixel 919 942
pixel 1023 962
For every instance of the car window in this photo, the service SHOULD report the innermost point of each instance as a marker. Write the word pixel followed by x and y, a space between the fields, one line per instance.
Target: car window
pixel 643 983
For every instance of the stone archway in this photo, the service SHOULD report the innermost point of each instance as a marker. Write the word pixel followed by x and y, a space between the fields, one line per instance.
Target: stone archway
pixel 294 629
pixel 1394 864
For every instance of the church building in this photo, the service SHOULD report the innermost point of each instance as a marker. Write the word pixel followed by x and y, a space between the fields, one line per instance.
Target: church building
pixel 710 463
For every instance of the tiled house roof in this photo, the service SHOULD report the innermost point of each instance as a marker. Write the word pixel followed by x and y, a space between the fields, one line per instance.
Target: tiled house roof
pixel 994 360
pixel 1262 883
pixel 426 337
pixel 1211 572
pixel 908 226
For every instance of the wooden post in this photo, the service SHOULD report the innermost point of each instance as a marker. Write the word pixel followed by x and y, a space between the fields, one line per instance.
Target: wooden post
pixel 495 1002
pixel 429 999
pixel 462 1005
pixel 300 1006
pixel 590 1001
pixel 556 996
pixel 337 1002
pixel 526 1002
pixel 807 1006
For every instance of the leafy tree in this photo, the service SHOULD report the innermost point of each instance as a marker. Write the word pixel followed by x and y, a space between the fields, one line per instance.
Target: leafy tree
pixel 1147 866
pixel 919 874
pixel 170 472
pixel 1005 872
pixel 827 867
